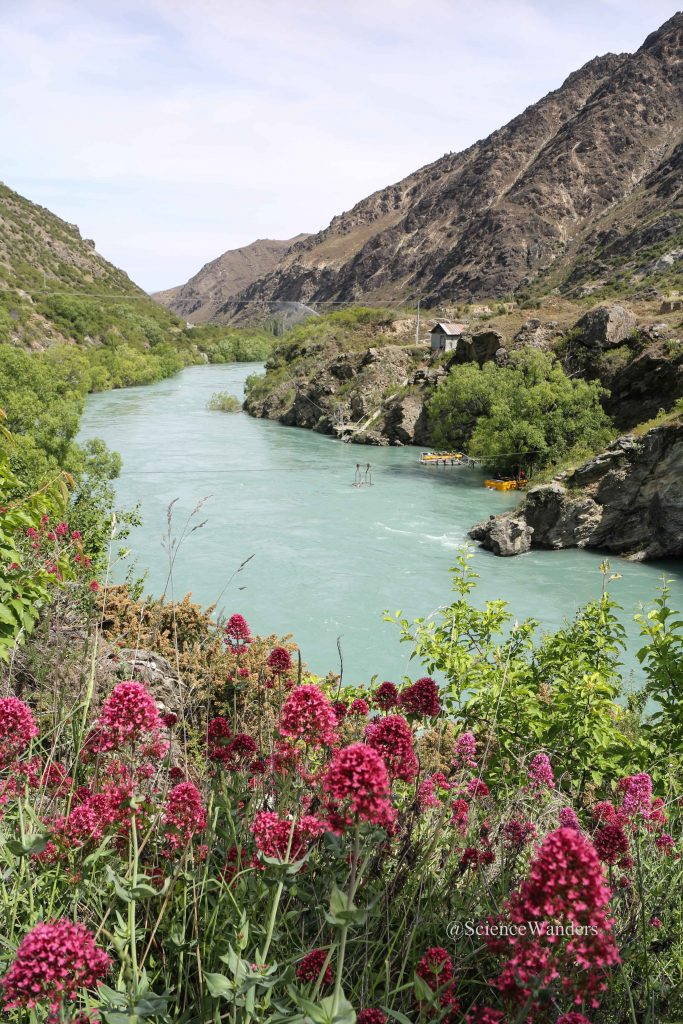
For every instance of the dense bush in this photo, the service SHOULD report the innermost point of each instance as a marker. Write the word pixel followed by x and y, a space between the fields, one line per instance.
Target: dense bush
pixel 221 401
pixel 528 413
pixel 280 848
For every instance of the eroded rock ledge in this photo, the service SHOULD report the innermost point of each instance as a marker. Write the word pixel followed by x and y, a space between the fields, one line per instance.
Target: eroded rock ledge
pixel 628 499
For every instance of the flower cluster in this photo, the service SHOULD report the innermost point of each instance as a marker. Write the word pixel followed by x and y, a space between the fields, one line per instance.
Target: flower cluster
pixel 310 968
pixel 237 634
pixel 283 839
pixel 540 773
pixel 393 739
pixel 17 729
pixel 184 815
pixel 385 696
pixel 129 715
pixel 53 963
pixel 465 751
pixel 308 715
pixel 358 781
pixel 421 699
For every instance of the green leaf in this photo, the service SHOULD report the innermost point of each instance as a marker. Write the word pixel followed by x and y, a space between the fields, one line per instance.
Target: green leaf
pixel 32 844
pixel 219 986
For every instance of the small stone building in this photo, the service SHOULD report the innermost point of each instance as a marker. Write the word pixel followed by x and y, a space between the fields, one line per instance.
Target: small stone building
pixel 444 336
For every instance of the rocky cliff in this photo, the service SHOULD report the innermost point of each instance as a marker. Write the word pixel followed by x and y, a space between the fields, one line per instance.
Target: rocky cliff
pixel 200 298
pixel 628 499
pixel 582 189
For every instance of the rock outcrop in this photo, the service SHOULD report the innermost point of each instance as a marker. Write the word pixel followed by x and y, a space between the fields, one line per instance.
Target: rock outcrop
pixel 628 499
pixel 606 326
pixel 582 186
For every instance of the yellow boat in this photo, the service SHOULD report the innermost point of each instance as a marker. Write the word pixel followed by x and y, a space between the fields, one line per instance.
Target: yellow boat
pixel 502 485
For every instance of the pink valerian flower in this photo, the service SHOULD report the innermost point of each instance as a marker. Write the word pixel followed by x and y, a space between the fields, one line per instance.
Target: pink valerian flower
pixel 54 962
pixel 516 834
pixel 308 715
pixel 234 753
pixel 477 788
pixel 606 813
pixel 129 716
pixel 184 815
pixel 473 857
pixel 340 709
pixel 565 886
pixel 93 586
pixel 274 836
pixel 568 818
pixel 540 773
pixel 17 729
pixel 371 1016
pixel 460 810
pixel 427 790
pixel 572 1018
pixel 637 790
pixel 359 707
pixel 392 738
pixel 656 817
pixel 436 970
pixel 94 815
pixel 311 965
pixel 655 922
pixel 665 844
pixel 485 1015
pixel 279 660
pixel 237 631
pixel 465 751
pixel 611 843
pixel 421 699
pixel 358 781
pixel 385 696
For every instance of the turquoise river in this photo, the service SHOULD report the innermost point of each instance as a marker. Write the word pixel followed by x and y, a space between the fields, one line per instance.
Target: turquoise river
pixel 325 558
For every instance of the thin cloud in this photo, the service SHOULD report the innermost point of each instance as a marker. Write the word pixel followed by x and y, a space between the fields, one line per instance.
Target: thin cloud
pixel 171 132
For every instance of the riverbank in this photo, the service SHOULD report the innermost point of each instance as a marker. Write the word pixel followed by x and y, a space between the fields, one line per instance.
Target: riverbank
pixel 328 557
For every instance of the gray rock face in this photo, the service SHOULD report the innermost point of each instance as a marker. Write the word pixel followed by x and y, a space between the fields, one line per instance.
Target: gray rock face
pixel 628 499
pixel 606 326
pixel 504 535
pixel 478 348
pixel 536 334
pixel 406 421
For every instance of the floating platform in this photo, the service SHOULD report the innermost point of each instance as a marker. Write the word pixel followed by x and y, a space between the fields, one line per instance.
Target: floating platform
pixel 444 459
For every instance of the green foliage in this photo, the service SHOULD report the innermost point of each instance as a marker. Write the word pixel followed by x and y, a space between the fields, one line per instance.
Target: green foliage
pixel 528 413
pixel 662 659
pixel 231 344
pixel 221 401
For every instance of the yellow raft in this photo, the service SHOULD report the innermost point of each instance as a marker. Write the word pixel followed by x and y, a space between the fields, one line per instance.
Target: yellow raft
pixel 502 485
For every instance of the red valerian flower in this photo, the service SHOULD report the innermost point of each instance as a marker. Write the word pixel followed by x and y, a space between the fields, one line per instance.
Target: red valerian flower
pixel 184 815
pixel 17 729
pixel 95 814
pixel 485 1015
pixel 284 839
pixel 610 842
pixel 385 696
pixel 573 1018
pixel 358 780
pixel 435 968
pixel 340 709
pixel 371 1016
pixel 637 791
pixel 93 586
pixel 665 844
pixel 477 788
pixel 421 699
pixel 540 773
pixel 460 812
pixel 568 818
pixel 53 963
pixel 279 660
pixel 311 965
pixel 655 922
pixel 308 715
pixel 565 886
pixel 129 715
pixel 426 791
pixel 392 738
pixel 465 750
pixel 237 629
pixel 517 833
pixel 605 812
pixel 359 707
pixel 473 858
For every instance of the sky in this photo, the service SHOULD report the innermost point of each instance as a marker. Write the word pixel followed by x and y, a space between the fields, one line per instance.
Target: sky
pixel 172 130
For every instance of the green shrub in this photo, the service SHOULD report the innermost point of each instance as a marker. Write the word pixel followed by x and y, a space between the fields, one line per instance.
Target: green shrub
pixel 221 401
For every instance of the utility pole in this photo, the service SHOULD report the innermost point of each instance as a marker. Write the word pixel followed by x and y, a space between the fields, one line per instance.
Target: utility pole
pixel 417 324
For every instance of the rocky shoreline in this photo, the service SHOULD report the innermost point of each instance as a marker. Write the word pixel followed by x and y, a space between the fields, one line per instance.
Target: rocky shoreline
pixel 628 500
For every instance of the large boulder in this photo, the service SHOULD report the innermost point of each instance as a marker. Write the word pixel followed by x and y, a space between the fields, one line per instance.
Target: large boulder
pixel 605 326
pixel 478 348
pixel 504 535
pixel 535 334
